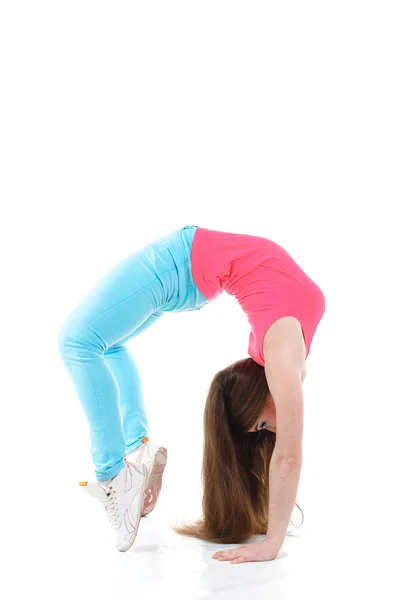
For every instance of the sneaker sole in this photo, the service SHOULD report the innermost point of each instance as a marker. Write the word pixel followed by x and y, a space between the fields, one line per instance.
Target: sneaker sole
pixel 154 485
pixel 129 544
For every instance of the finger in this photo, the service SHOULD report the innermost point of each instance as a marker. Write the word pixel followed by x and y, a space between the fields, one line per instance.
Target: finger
pixel 238 559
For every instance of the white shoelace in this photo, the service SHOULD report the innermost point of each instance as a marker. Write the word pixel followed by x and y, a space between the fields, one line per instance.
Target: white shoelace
pixel 111 506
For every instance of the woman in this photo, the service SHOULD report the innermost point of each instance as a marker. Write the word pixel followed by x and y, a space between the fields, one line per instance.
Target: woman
pixel 185 270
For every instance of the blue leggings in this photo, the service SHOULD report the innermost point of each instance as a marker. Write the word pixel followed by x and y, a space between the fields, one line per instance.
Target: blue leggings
pixel 127 300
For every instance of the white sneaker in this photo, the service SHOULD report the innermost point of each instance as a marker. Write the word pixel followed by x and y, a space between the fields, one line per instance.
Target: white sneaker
pixel 123 500
pixel 155 458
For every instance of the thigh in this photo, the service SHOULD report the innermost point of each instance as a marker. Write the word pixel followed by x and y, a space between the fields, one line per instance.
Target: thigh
pixel 147 323
pixel 124 299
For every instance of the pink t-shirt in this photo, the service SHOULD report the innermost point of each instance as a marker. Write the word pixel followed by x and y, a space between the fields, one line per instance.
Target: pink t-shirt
pixel 262 276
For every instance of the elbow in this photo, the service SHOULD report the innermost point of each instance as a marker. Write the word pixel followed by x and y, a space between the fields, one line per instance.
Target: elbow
pixel 290 459
pixel 293 460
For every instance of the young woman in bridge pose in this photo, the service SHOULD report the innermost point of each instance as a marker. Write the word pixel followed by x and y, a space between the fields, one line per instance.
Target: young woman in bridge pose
pixel 253 416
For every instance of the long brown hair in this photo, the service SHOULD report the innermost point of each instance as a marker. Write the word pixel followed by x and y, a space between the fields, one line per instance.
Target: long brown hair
pixel 235 470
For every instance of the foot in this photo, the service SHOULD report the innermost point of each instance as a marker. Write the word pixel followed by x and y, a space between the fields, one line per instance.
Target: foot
pixel 155 459
pixel 123 499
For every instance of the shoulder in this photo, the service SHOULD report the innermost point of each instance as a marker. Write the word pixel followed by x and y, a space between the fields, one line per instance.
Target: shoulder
pixel 284 336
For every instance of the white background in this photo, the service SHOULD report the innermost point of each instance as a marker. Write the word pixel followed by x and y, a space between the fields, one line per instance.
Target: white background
pixel 123 121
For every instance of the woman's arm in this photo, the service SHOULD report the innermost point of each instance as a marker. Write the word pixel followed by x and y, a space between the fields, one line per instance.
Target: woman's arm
pixel 303 372
pixel 284 354
pixel 285 370
pixel 286 461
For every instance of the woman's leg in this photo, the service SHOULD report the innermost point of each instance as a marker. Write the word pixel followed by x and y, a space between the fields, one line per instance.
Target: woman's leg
pixel 121 362
pixel 118 306
pixel 153 280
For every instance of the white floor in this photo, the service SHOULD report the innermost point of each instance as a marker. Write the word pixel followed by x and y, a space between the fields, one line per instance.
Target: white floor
pixel 65 551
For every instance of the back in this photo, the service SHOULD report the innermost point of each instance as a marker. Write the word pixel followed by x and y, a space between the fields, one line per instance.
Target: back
pixel 262 276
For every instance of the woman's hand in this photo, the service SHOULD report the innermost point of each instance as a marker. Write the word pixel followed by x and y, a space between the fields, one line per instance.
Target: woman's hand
pixel 249 553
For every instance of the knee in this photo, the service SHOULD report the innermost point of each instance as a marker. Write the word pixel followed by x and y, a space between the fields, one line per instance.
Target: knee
pixel 62 340
pixel 76 339
pixel 66 335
